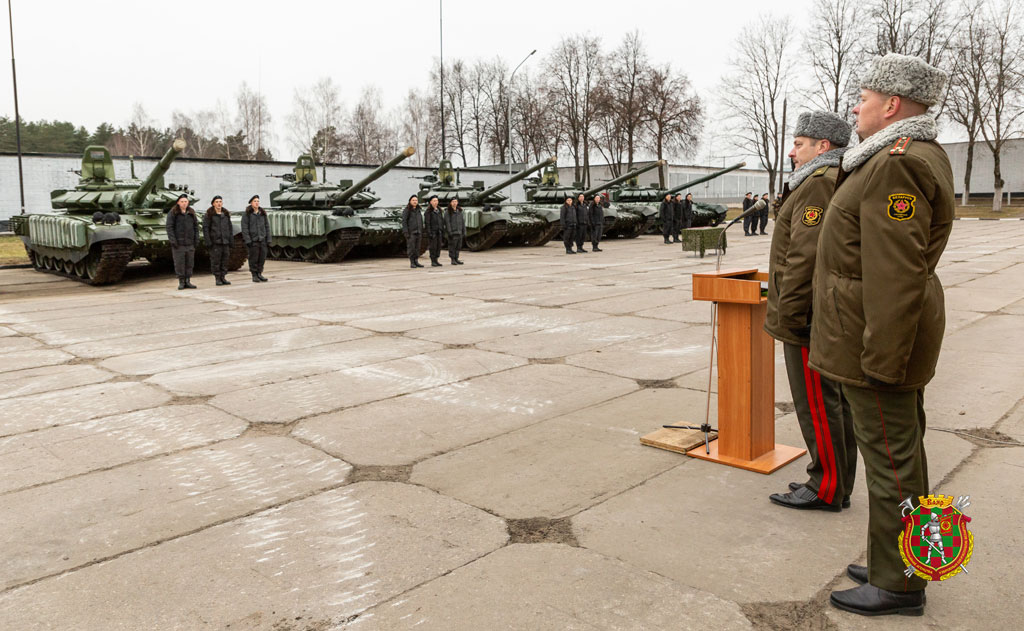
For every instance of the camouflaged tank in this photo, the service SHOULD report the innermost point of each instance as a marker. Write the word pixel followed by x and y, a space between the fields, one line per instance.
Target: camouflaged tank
pixel 104 223
pixel 321 223
pixel 622 221
pixel 487 222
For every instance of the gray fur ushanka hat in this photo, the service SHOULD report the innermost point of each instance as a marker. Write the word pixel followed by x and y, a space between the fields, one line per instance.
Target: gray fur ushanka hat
pixel 823 126
pixel 906 76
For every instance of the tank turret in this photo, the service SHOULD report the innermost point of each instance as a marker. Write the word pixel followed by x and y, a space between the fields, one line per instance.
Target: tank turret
pixel 156 175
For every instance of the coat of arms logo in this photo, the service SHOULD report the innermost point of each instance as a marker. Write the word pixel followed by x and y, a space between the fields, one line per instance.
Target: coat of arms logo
pixel 935 542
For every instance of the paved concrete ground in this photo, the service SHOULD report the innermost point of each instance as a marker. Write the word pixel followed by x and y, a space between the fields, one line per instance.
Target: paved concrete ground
pixel 365 446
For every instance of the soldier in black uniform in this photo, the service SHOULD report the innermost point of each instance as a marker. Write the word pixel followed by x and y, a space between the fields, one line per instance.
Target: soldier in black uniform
pixel 762 215
pixel 677 216
pixel 582 222
pixel 256 233
pixel 750 222
pixel 183 233
pixel 455 222
pixel 218 234
pixel 412 228
pixel 667 212
pixel 433 221
pixel 567 217
pixel 596 222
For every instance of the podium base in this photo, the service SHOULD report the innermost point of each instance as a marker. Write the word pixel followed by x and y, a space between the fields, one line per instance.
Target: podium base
pixel 765 463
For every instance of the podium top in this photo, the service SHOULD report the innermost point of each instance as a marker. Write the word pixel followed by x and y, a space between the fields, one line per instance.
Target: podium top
pixel 736 286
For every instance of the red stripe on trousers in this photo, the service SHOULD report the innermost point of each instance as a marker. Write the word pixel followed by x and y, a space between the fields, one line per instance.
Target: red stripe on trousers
pixel 816 422
pixel 830 492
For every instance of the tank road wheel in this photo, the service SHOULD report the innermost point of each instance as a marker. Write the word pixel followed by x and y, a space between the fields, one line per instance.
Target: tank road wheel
pixel 79 269
pixel 68 266
pixel 487 236
pixel 290 252
pixel 306 254
pixel 35 259
pixel 548 234
pixel 107 261
pixel 274 252
pixel 239 254
pixel 339 243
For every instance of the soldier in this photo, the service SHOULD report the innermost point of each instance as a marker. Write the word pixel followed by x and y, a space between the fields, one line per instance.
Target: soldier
pixel 819 142
pixel 183 233
pixel 596 211
pixel 878 306
pixel 762 214
pixel 434 224
pixel 666 212
pixel 218 234
pixel 256 233
pixel 582 222
pixel 412 228
pixel 748 222
pixel 687 211
pixel 567 217
pixel 677 216
pixel 455 222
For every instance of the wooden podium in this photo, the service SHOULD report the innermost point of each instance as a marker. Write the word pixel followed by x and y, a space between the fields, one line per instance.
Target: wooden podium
pixel 746 374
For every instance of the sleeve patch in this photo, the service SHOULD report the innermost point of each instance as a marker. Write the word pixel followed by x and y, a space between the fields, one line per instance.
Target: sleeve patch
pixel 812 216
pixel 901 206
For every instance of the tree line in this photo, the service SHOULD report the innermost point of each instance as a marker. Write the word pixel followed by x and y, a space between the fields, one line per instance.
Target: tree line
pixel 777 70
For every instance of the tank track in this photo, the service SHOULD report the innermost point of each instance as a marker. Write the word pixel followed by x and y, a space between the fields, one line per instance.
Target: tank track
pixel 113 259
pixel 238 256
pixel 337 246
pixel 549 233
pixel 487 236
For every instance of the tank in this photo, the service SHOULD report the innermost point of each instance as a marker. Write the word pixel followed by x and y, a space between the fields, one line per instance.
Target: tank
pixel 487 222
pixel 320 223
pixel 103 223
pixel 624 221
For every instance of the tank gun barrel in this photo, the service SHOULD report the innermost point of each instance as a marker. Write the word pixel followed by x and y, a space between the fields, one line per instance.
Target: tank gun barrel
pixel 158 172
pixel 487 192
pixel 344 196
pixel 622 178
pixel 701 180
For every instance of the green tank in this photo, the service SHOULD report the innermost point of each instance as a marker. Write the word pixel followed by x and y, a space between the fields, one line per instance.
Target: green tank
pixel 321 223
pixel 624 221
pixel 487 222
pixel 104 223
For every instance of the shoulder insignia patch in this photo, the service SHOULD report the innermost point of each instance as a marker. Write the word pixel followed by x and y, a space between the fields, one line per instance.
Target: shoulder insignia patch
pixel 812 216
pixel 901 206
pixel 900 147
pixel 820 171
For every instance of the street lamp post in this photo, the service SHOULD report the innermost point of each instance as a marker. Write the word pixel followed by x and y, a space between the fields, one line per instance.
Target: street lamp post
pixel 508 117
pixel 17 115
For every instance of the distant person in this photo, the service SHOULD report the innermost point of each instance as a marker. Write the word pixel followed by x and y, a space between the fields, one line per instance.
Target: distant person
pixel 762 214
pixel 688 211
pixel 218 235
pixel 412 228
pixel 567 217
pixel 667 214
pixel 256 234
pixel 183 233
pixel 748 222
pixel 455 221
pixel 596 222
pixel 433 221
pixel 582 222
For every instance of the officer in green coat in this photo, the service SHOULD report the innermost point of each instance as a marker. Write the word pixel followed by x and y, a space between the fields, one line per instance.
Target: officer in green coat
pixel 878 307
pixel 819 142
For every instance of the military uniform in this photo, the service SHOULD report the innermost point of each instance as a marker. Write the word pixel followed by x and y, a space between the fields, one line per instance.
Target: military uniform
pixel 256 234
pixel 435 226
pixel 183 235
pixel 666 212
pixel 822 412
pixel 412 228
pixel 879 320
pixel 455 224
pixel 582 224
pixel 567 217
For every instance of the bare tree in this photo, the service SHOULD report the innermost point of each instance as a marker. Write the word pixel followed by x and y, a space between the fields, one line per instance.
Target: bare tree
pixel 418 127
pixel 369 135
pixel 496 104
pixel 536 134
pixel 673 113
pixel 1004 88
pixel 140 132
pixel 454 94
pixel 198 131
pixel 625 72
pixel 254 121
pixel 967 83
pixel 571 75
pixel 754 91
pixel 835 31
pixel 317 116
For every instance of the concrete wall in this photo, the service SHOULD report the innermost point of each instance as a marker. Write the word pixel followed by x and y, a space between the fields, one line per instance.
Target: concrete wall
pixel 1011 165
pixel 235 181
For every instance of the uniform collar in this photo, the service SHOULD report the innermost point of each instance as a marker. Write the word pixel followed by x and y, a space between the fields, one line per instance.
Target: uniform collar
pixel 827 159
pixel 920 127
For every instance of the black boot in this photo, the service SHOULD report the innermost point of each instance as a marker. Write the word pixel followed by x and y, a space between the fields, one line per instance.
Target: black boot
pixel 846 498
pixel 868 600
pixel 667 242
pixel 255 278
pixel 570 252
pixel 458 262
pixel 181 282
pixel 260 276
pixel 220 280
pixel 188 283
pixel 857 573
pixel 434 263
pixel 224 280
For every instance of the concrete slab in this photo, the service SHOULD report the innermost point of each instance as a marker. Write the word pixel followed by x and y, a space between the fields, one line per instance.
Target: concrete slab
pixel 656 357
pixel 695 312
pixel 314 563
pixel 19 383
pixel 548 586
pixel 578 338
pixel 107 513
pixel 632 303
pixel 985 299
pixel 442 418
pixel 101 310
pixel 352 313
pixel 153 327
pixel 40 324
pixel 14 342
pixel 60 452
pixel 32 359
pixel 63 407
pixel 229 376
pixel 191 353
pixel 594 453
pixel 527 320
pixel 993 379
pixel 291 400
pixel 6 332
pixel 443 314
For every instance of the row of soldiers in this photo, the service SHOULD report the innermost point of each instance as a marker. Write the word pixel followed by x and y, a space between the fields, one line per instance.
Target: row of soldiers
pixel 581 218
pixel 439 225
pixel 676 214
pixel 856 242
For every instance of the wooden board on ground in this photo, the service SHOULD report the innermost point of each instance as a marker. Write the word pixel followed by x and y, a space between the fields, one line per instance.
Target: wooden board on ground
pixel 677 440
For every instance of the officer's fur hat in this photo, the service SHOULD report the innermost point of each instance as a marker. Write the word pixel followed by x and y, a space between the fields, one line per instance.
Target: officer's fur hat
pixel 906 76
pixel 823 126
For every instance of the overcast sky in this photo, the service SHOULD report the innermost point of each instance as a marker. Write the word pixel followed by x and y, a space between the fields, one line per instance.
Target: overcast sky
pixel 88 62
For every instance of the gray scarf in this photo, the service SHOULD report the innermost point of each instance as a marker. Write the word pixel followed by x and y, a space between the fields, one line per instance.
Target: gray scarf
pixel 921 127
pixel 827 159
